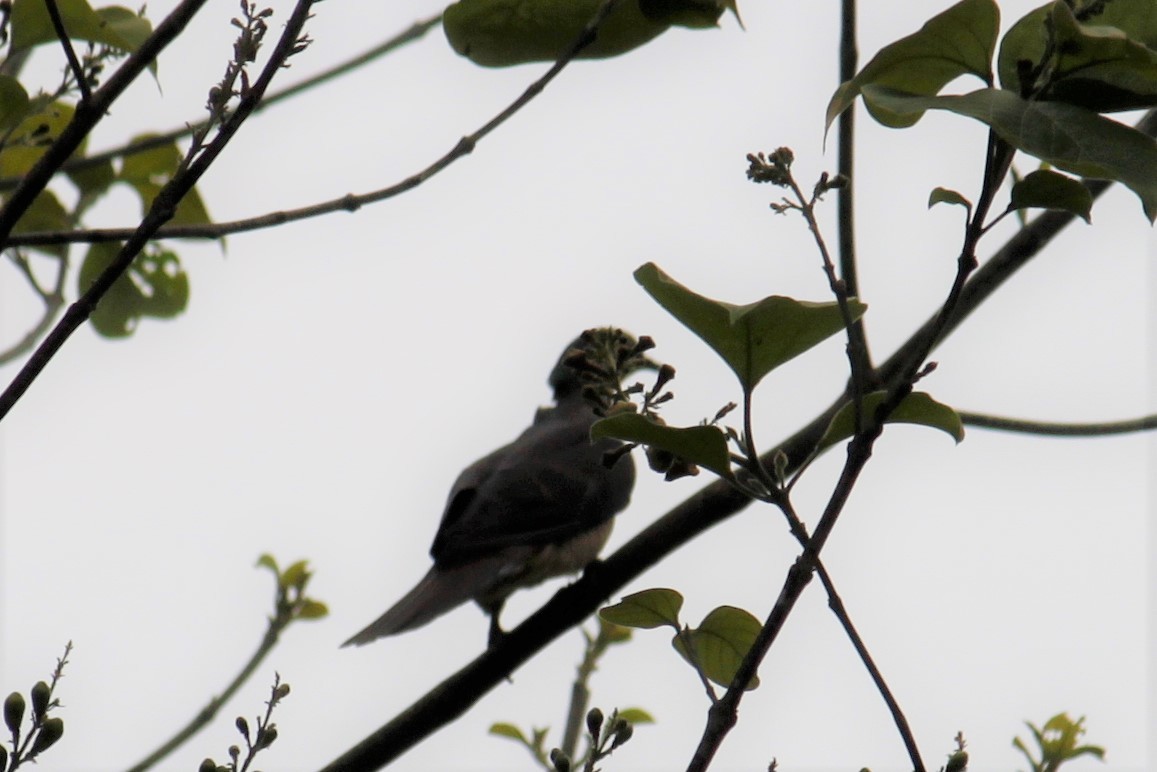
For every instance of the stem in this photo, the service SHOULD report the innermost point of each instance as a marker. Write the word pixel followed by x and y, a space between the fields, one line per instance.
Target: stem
pixel 1056 429
pixel 69 53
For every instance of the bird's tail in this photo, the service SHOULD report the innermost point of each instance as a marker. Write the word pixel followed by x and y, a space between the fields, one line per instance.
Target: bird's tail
pixel 440 590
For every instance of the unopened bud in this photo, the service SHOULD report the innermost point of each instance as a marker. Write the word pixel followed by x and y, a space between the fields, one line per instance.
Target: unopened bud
pixel 14 711
pixel 595 724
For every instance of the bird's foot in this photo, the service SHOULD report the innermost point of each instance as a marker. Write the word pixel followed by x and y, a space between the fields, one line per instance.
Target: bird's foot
pixel 496 634
pixel 592 568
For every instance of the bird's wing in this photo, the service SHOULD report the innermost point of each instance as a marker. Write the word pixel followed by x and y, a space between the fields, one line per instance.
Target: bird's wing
pixel 545 487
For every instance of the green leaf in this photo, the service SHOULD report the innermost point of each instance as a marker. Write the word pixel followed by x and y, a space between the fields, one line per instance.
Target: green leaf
pixel 636 716
pixel 946 196
pixel 1068 137
pixel 268 561
pixel 959 41
pixel 1045 189
pixel 92 182
pixel 646 610
pixel 28 141
pixel 916 408
pixel 510 731
pixel 312 609
pixel 150 170
pixel 296 575
pixel 45 214
pixel 14 103
pixel 499 33
pixel 753 339
pixel 702 445
pixel 154 285
pixel 31 25
pixel 130 27
pixel 1104 64
pixel 720 643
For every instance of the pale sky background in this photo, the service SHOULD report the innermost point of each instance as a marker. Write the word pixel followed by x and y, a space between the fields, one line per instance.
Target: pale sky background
pixel 330 378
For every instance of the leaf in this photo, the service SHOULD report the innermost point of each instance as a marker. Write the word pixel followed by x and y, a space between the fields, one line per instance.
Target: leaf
pixel 1068 137
pixel 268 561
pixel 959 41
pixel 296 575
pixel 1045 189
pixel 45 214
pixel 1105 64
pixel 646 610
pixel 14 102
pixel 753 339
pixel 32 137
pixel 636 716
pixel 720 643
pixel 154 285
pixel 510 731
pixel 500 33
pixel 916 408
pixel 92 182
pixel 150 170
pixel 702 445
pixel 134 29
pixel 946 196
pixel 312 609
pixel 31 25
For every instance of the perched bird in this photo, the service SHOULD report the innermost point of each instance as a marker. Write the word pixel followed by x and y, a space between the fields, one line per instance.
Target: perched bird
pixel 539 507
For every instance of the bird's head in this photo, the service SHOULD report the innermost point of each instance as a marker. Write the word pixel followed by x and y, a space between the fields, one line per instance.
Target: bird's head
pixel 597 362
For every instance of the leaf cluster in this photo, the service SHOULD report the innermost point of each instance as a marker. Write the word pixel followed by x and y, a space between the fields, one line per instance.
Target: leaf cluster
pixel 1060 68
pixel 715 648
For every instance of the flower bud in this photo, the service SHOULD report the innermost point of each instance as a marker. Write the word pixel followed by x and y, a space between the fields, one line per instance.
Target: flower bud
pixel 40 694
pixel 14 711
pixel 595 723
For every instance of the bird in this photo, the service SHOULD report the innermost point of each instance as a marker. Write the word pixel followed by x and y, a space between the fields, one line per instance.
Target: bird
pixel 541 506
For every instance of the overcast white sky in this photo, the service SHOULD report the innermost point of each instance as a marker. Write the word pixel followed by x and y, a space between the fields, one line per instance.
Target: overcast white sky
pixel 330 379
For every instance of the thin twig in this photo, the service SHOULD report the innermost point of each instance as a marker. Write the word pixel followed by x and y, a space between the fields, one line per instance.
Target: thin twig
pixel 69 53
pixel 161 210
pixel 1056 429
pixel 53 301
pixel 409 35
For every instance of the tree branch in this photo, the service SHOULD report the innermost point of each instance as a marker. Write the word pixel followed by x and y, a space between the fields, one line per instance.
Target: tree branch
pixel 69 53
pixel 1055 429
